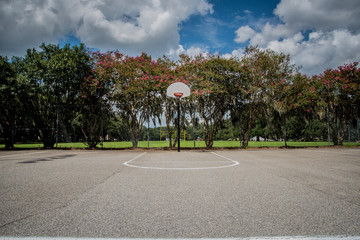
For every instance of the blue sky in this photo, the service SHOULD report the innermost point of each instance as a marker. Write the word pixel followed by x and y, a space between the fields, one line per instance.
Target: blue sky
pixel 317 34
pixel 216 31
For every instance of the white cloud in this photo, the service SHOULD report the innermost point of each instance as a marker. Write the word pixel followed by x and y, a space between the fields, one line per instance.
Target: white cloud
pixel 244 33
pixel 288 45
pixel 323 15
pixel 192 51
pixel 328 50
pixel 317 34
pixel 323 49
pixel 237 53
pixel 131 26
pixel 22 23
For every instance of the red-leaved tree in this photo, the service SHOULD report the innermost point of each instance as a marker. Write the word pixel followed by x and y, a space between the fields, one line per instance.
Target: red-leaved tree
pixel 340 93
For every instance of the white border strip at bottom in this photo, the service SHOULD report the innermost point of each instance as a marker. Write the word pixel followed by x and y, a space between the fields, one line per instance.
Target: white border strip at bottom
pixel 249 238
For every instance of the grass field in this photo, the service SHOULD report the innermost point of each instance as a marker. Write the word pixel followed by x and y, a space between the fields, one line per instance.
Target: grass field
pixel 187 144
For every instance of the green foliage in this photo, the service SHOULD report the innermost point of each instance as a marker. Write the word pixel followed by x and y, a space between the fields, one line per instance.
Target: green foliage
pixel 339 92
pixel 188 144
pixel 113 96
pixel 8 87
pixel 138 86
pixel 212 88
pixel 265 76
pixel 55 76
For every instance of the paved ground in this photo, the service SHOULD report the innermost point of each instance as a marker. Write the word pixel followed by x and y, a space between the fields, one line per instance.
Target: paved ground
pixel 192 194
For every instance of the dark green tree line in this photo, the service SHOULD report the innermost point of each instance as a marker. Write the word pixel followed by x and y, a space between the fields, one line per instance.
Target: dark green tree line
pixel 99 94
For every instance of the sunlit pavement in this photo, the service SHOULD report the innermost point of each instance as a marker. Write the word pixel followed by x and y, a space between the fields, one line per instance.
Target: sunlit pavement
pixel 242 194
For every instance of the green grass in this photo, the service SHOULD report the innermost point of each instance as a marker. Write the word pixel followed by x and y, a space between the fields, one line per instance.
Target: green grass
pixel 29 145
pixel 186 144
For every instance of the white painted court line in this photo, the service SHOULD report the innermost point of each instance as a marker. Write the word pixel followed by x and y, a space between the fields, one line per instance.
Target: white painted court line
pixel 23 154
pixel 129 165
pixel 235 162
pixel 248 238
pixel 197 168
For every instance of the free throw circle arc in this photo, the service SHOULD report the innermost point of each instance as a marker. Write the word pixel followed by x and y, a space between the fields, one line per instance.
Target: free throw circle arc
pixel 178 90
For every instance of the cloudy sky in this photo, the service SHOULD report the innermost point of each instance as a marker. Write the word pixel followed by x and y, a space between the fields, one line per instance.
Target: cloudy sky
pixel 318 34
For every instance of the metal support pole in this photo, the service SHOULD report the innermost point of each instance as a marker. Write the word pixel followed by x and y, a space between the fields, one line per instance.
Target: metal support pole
pixel 13 131
pixel 358 129
pixel 57 126
pixel 148 127
pixel 349 130
pixel 194 128
pixel 285 131
pixel 178 123
pixel 328 125
pixel 240 123
pixel 102 126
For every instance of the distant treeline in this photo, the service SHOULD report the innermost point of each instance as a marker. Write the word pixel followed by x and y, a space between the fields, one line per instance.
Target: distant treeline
pixel 70 92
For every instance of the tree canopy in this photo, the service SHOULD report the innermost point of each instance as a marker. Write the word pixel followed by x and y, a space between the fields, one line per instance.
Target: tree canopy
pixel 262 87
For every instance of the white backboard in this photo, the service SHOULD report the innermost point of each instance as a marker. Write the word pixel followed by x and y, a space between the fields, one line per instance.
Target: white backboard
pixel 178 88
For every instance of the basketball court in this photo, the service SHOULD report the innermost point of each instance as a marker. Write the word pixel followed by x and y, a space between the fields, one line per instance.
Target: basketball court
pixel 232 194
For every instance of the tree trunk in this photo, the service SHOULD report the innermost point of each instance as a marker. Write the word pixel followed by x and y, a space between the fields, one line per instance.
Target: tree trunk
pixel 341 133
pixel 175 142
pixel 285 132
pixel 134 139
pixel 246 137
pixel 169 132
pixel 210 143
pixel 47 138
pixel 209 140
pixel 8 135
pixel 358 129
pixel 211 136
pixel 169 136
pixel 338 132
pixel 334 134
pixel 207 135
pixel 168 121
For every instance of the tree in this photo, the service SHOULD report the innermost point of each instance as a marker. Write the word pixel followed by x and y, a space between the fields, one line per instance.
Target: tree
pixel 94 101
pixel 137 87
pixel 265 75
pixel 58 89
pixel 297 99
pixel 340 93
pixel 9 99
pixel 55 75
pixel 211 79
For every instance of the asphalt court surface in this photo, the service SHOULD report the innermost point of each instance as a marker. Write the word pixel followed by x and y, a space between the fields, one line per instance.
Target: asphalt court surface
pixel 191 194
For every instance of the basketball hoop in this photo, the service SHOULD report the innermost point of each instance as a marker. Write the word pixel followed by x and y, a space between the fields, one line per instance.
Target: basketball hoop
pixel 178 94
pixel 178 90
